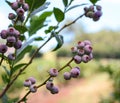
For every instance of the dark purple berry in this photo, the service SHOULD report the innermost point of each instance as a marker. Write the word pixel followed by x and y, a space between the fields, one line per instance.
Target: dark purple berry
pixel 88 49
pixel 33 88
pixel 15 5
pixel 98 14
pixel 11 16
pixel 21 18
pixel 67 76
pixel 53 72
pixel 75 72
pixel 32 79
pixel 49 85
pixel 17 34
pixel 27 83
pixel 11 57
pixel 3 34
pixel 11 31
pixel 80 45
pixel 25 6
pixel 20 12
pixel 81 52
pixel 77 59
pixel 11 39
pixel 3 48
pixel 54 90
pixel 98 7
pixel 18 44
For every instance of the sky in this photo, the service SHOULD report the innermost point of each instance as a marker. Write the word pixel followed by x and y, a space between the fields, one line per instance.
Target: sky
pixel 110 19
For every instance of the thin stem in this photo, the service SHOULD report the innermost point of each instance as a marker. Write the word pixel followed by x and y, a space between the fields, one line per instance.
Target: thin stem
pixel 2 59
pixel 22 99
pixel 70 23
pixel 19 73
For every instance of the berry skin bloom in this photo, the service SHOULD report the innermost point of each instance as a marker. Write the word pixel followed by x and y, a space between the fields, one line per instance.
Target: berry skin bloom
pixel 85 58
pixel 25 6
pixel 32 79
pixel 11 31
pixel 11 16
pixel 88 49
pixel 80 45
pixel 49 85
pixel 77 59
pixel 14 5
pixel 18 44
pixel 33 88
pixel 20 12
pixel 53 72
pixel 67 76
pixel 27 83
pixel 3 48
pixel 75 72
pixel 3 34
pixel 54 90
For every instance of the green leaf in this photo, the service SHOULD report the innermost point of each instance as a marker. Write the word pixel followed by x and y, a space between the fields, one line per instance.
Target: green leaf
pixel 17 67
pixel 59 15
pixel 94 1
pixel 34 4
pixel 65 2
pixel 21 29
pixel 72 7
pixel 37 22
pixel 9 3
pixel 5 78
pixel 50 29
pixel 59 39
pixel 6 70
pixel 39 39
pixel 22 54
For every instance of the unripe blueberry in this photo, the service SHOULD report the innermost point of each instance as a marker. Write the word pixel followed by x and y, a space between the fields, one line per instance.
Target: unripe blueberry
pixel 54 90
pixel 11 31
pixel 11 39
pixel 11 16
pixel 81 52
pixel 3 34
pixel 15 5
pixel 75 72
pixel 74 49
pixel 49 85
pixel 80 45
pixel 88 49
pixel 33 88
pixel 77 59
pixel 87 42
pixel 3 48
pixel 90 14
pixel 98 7
pixel 18 44
pixel 27 83
pixel 85 58
pixel 53 72
pixel 67 76
pixel 25 6
pixel 32 79
pixel 11 57
pixel 20 12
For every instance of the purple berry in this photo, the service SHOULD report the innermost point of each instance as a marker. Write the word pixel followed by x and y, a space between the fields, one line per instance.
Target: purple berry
pixel 11 57
pixel 74 49
pixel 20 2
pixel 80 45
pixel 21 18
pixel 88 49
pixel 15 5
pixel 54 90
pixel 25 6
pixel 11 31
pixel 53 72
pixel 27 83
pixel 11 16
pixel 67 76
pixel 91 8
pixel 3 48
pixel 77 59
pixel 3 34
pixel 87 42
pixel 18 44
pixel 81 52
pixel 17 34
pixel 20 12
pixel 49 85
pixel 85 58
pixel 98 7
pixel 75 72
pixel 98 14
pixel 33 88
pixel 32 79
pixel 11 39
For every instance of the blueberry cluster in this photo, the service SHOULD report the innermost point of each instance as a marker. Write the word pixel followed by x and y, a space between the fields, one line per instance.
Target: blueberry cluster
pixel 19 7
pixel 51 87
pixel 74 73
pixel 93 12
pixel 82 52
pixel 30 83
pixel 12 37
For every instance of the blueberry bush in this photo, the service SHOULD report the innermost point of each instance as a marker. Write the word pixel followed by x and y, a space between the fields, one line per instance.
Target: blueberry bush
pixel 28 17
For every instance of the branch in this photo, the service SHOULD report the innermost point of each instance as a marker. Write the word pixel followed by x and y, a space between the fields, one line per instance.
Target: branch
pixel 71 23
pixel 22 99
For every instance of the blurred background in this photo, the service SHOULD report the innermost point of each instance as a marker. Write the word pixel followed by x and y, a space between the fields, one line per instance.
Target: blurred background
pixel 99 81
